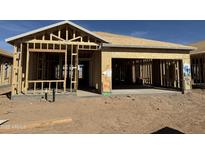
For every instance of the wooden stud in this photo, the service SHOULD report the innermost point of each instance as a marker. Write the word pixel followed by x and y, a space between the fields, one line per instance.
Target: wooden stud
pixel 66 33
pixel 14 79
pixel 34 87
pixel 73 33
pixel 20 68
pixel 41 87
pixel 59 33
pixel 65 69
pixel 161 72
pixel 27 68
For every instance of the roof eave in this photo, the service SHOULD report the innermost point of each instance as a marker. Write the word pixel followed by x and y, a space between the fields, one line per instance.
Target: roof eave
pixel 197 52
pixel 148 47
pixel 6 53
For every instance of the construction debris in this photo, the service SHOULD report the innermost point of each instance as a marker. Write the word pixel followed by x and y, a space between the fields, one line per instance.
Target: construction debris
pixel 3 121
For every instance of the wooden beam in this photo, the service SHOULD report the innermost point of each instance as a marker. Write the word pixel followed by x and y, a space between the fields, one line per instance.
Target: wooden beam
pixel 62 42
pixel 76 38
pixel 57 37
pixel 47 50
pixel 39 81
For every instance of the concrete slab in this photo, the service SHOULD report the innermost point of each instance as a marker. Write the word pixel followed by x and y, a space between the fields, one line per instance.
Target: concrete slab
pixel 5 89
pixel 84 93
pixel 142 91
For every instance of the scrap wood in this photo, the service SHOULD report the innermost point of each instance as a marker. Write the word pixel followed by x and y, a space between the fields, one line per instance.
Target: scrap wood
pixel 3 121
pixel 37 124
pixel 48 123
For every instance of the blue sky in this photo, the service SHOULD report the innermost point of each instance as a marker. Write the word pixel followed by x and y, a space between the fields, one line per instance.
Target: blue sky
pixel 183 32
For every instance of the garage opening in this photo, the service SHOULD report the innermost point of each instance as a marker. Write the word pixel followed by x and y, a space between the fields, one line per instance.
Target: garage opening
pixel 146 73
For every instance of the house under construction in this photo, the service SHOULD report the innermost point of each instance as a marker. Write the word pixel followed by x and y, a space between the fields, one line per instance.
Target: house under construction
pixel 198 64
pixel 67 57
pixel 6 60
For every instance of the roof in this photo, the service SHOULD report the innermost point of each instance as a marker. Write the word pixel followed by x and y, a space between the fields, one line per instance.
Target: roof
pixel 6 53
pixel 117 40
pixel 200 47
pixel 111 40
pixel 11 39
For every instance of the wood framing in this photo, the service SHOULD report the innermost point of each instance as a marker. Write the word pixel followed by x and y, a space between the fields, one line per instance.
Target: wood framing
pixel 198 64
pixel 6 59
pixel 65 56
pixel 45 49
pixel 198 69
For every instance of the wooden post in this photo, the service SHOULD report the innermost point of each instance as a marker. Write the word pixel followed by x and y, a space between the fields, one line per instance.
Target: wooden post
pixel 71 69
pixel 20 69
pixel 27 69
pixel 178 75
pixel 60 66
pixel 34 87
pixel 2 73
pixel 151 65
pixel 76 72
pixel 161 72
pixel 14 80
pixel 42 87
pixel 133 72
pixel 65 69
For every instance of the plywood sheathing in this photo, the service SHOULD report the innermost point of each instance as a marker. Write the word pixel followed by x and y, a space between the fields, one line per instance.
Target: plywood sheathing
pixel 123 40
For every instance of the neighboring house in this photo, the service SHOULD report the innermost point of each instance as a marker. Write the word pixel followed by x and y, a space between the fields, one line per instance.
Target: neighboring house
pixel 198 64
pixel 67 57
pixel 6 60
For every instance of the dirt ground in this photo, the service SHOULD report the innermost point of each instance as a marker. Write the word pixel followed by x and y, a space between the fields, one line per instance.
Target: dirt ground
pixel 114 114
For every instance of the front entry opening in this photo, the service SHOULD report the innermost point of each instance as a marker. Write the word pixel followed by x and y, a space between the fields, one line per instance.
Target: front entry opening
pixel 83 74
pixel 146 73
